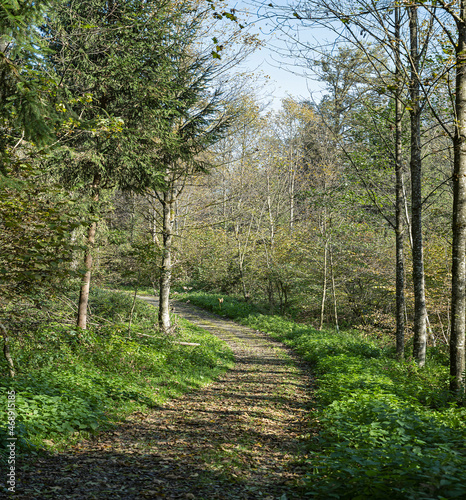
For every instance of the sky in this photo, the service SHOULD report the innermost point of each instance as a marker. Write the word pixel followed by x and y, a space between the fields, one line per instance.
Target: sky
pixel 286 75
pixel 283 81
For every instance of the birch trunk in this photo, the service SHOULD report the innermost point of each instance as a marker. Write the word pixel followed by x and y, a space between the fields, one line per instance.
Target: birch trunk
pixel 292 196
pixel 420 331
pixel 166 265
pixel 334 293
pixel 399 203
pixel 86 281
pixel 458 323
pixel 324 287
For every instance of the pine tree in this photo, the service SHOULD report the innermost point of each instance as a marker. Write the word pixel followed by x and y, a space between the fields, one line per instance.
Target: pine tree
pixel 25 113
pixel 138 97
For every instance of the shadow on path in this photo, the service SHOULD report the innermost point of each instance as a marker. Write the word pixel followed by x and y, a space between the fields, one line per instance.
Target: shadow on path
pixel 238 438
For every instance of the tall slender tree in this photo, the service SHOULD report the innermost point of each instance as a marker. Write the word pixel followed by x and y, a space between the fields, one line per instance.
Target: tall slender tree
pixel 204 114
pixel 399 202
pixel 457 339
pixel 420 312
pixel 456 36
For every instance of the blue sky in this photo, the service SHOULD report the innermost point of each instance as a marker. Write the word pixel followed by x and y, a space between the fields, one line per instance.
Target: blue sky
pixel 286 74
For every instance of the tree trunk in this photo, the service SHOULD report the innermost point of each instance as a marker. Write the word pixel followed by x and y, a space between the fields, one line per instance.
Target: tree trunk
pixel 166 265
pixel 324 287
pixel 269 210
pixel 457 337
pixel 6 351
pixel 242 279
pixel 86 281
pixel 270 243
pixel 420 331
pixel 292 176
pixel 152 196
pixel 399 203
pixel 334 293
pixel 133 305
pixel 241 257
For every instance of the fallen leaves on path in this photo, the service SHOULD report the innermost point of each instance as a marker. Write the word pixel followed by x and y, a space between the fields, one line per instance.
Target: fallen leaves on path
pixel 238 438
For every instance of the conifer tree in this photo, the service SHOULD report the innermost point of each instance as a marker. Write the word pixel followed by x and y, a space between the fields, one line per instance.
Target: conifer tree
pixel 25 113
pixel 138 98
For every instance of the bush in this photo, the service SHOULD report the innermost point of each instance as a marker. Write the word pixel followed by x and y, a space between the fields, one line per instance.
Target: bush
pixel 73 381
pixel 387 429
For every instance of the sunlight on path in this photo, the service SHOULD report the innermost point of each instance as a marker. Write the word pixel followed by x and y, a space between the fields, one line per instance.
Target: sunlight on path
pixel 238 438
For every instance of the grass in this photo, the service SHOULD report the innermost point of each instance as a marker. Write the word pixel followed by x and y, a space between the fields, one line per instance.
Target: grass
pixel 72 383
pixel 387 429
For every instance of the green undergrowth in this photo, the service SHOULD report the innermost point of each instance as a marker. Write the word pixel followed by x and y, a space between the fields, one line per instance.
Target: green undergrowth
pixel 231 307
pixel 71 382
pixel 386 429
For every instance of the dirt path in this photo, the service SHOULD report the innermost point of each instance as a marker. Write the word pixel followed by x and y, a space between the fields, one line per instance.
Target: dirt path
pixel 238 438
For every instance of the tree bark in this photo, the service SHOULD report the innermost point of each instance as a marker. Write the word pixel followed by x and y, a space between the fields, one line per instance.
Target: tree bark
pixel 166 265
pixel 458 303
pixel 324 287
pixel 399 203
pixel 242 278
pixel 133 305
pixel 291 188
pixel 86 281
pixel 6 351
pixel 420 331
pixel 270 243
pixel 334 293
pixel 269 210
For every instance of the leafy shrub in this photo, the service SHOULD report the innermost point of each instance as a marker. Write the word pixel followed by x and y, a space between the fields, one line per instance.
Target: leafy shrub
pixel 377 446
pixel 231 307
pixel 387 429
pixel 380 436
pixel 72 381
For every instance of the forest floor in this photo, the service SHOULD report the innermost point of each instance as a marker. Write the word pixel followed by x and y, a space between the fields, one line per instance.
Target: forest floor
pixel 237 438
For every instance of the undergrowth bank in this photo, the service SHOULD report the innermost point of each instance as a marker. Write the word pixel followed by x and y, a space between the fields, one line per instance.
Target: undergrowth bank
pixel 386 429
pixel 72 383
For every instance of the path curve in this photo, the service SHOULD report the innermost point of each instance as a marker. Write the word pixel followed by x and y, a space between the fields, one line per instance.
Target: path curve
pixel 237 439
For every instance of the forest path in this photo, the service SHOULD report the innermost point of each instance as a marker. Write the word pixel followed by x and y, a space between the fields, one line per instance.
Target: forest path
pixel 237 438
